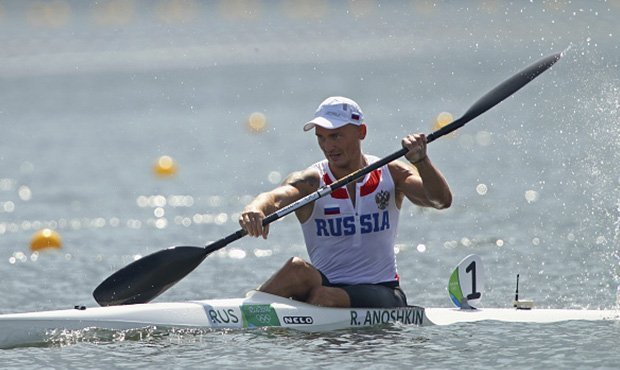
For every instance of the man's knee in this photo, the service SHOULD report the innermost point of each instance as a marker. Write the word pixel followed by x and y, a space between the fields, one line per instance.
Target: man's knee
pixel 298 266
pixel 299 272
pixel 296 262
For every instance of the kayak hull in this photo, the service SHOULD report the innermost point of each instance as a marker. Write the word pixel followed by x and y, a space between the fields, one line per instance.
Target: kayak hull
pixel 259 309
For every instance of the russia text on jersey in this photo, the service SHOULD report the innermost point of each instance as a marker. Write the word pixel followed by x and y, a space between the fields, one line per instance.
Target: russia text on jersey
pixel 339 226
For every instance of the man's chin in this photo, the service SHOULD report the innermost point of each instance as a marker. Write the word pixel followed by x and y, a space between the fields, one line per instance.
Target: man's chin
pixel 335 161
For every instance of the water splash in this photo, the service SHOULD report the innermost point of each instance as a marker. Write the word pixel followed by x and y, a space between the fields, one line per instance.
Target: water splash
pixel 595 162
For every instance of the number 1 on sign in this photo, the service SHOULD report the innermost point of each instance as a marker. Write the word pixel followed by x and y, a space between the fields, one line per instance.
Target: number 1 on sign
pixel 474 294
pixel 466 282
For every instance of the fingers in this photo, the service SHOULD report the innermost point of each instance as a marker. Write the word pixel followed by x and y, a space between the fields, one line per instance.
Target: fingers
pixel 252 223
pixel 265 231
pixel 416 144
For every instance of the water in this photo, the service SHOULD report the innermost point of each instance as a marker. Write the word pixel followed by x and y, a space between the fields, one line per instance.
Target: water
pixel 93 94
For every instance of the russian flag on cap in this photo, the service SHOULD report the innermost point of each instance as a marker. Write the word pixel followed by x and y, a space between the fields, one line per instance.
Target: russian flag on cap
pixel 331 210
pixel 355 116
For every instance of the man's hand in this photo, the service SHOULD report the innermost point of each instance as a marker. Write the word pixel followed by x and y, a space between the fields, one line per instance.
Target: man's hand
pixel 416 143
pixel 251 220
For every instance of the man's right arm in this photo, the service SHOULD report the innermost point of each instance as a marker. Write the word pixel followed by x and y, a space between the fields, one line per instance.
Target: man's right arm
pixel 296 186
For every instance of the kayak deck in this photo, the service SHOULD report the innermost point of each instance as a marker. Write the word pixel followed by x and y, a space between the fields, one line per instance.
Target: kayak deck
pixel 259 309
pixel 449 316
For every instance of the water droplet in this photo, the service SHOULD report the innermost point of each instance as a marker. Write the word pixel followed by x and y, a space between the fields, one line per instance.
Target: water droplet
pixel 25 193
pixel 274 177
pixel 531 196
pixel 236 253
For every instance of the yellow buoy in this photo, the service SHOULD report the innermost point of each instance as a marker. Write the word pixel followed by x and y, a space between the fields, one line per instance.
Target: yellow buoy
pixel 257 122
pixel 165 166
pixel 442 119
pixel 44 239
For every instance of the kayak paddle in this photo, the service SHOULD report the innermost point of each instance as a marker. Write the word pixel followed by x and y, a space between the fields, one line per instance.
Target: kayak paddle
pixel 146 278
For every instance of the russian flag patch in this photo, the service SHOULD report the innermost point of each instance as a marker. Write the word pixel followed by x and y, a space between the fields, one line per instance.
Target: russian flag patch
pixel 331 210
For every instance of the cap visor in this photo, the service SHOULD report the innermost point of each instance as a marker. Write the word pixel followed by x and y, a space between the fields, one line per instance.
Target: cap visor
pixel 325 123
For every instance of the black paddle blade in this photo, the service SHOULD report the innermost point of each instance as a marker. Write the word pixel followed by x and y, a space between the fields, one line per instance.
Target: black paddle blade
pixel 510 86
pixel 144 279
pixel 499 93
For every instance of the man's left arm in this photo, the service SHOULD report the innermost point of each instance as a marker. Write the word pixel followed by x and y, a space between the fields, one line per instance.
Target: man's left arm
pixel 419 180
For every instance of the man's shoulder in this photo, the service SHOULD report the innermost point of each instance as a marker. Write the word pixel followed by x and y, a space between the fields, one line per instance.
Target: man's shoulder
pixel 307 180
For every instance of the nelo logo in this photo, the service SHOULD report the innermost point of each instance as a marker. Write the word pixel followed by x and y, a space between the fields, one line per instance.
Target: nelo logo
pixel 305 320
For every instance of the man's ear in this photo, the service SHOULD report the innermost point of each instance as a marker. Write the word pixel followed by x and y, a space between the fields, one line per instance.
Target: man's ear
pixel 362 131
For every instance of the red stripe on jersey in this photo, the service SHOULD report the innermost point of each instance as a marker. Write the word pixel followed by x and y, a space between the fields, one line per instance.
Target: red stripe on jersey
pixel 369 187
pixel 340 193
pixel 372 183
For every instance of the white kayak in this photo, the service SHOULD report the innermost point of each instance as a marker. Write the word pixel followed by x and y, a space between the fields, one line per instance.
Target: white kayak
pixel 259 309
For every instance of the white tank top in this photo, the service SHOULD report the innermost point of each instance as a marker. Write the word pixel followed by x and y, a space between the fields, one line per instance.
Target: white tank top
pixel 354 245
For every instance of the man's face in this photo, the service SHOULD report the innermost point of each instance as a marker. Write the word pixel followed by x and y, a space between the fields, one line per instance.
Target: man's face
pixel 341 146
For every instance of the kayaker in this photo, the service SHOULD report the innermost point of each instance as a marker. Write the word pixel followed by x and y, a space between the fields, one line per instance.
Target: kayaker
pixel 349 234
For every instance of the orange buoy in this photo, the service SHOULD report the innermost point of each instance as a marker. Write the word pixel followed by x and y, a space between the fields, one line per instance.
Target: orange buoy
pixel 45 239
pixel 257 123
pixel 165 166
pixel 442 119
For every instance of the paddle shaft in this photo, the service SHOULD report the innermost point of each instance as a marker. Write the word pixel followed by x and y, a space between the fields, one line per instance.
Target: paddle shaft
pixel 148 277
pixel 492 98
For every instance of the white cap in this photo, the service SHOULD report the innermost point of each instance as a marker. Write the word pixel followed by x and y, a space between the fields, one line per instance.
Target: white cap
pixel 335 112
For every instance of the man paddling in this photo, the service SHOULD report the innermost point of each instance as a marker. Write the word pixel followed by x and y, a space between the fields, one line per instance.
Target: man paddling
pixel 349 234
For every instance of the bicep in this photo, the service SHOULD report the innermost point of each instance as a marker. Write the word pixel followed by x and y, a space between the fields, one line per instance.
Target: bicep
pixel 296 186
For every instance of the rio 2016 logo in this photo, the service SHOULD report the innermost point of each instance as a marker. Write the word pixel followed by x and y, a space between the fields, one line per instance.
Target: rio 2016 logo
pixel 259 315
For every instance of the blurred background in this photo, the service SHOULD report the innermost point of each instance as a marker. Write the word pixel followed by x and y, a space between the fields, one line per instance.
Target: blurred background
pixel 130 126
